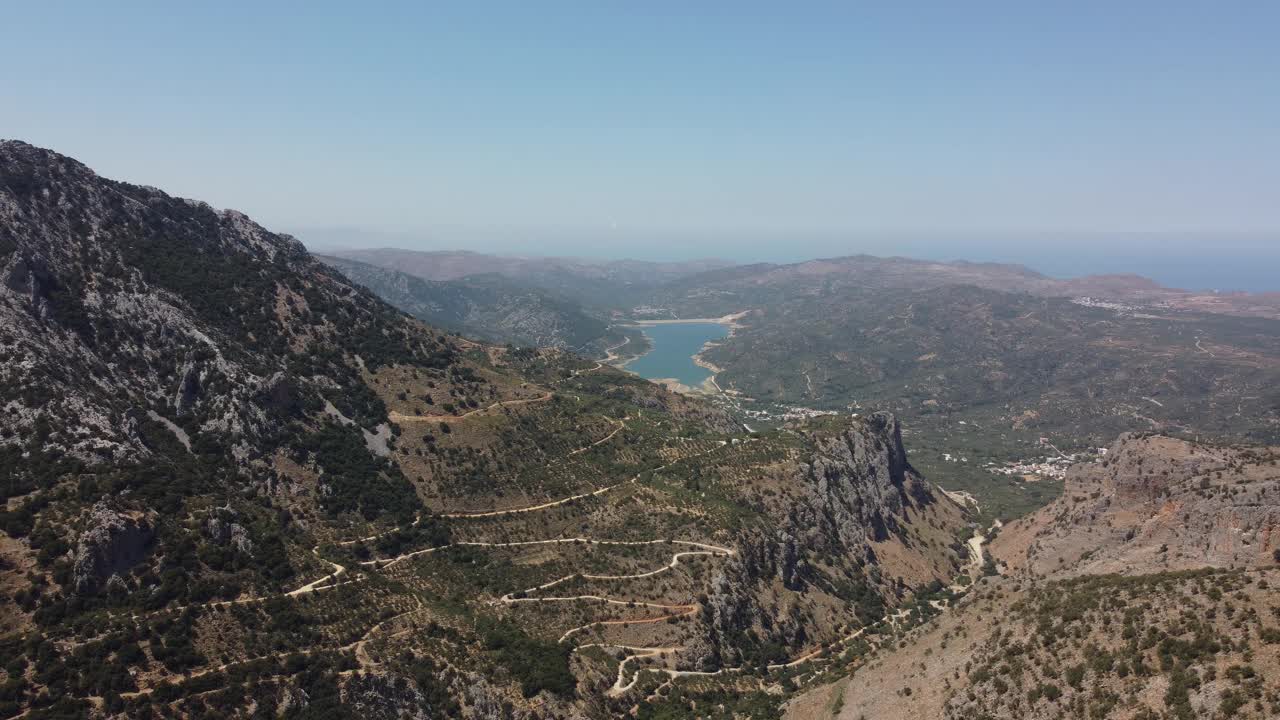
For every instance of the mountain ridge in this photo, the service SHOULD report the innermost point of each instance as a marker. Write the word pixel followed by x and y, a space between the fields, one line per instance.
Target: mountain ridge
pixel 489 307
pixel 236 482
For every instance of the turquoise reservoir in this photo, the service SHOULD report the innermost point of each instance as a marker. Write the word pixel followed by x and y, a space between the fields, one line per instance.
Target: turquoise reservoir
pixel 673 348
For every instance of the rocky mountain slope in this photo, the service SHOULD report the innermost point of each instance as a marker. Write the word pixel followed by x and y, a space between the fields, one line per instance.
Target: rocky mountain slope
pixel 487 307
pixel 237 484
pixel 127 312
pixel 1154 504
pixel 1146 591
pixel 849 515
pixel 1192 644
pixel 157 351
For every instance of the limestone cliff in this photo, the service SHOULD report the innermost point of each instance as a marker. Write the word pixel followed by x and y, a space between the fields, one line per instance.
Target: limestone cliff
pixel 1154 503
pixel 116 297
pixel 853 528
pixel 112 542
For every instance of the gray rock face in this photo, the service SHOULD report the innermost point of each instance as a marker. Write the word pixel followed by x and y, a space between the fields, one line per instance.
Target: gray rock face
pixel 385 697
pixel 28 277
pixel 111 543
pixel 225 531
pixel 483 700
pixel 1154 503
pixel 291 700
pixel 117 299
pixel 858 482
pixel 851 489
pixel 188 391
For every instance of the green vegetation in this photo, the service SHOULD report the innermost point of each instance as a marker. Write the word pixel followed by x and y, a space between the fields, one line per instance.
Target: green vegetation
pixel 723 704
pixel 537 664
pixel 488 307
pixel 357 481
pixel 1088 646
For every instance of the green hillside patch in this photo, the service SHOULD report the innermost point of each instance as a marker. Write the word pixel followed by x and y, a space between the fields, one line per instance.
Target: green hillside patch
pixel 356 480
pixel 537 664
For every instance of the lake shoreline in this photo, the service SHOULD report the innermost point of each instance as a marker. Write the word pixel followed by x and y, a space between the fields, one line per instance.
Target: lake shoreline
pixel 730 321
pixel 706 386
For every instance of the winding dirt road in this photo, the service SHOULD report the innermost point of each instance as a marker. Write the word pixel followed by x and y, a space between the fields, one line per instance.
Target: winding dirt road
pixel 571 498
pixel 398 417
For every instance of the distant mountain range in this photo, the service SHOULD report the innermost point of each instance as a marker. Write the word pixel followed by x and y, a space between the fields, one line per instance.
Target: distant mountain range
pixel 1085 358
pixel 602 284
pixel 488 306
pixel 739 286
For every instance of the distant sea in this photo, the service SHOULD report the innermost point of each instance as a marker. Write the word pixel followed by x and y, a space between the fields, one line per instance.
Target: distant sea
pixel 1191 262
pixel 1233 264
pixel 1224 270
pixel 1228 262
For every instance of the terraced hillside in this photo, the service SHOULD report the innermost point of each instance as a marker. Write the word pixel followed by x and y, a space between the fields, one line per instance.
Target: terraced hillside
pixel 237 485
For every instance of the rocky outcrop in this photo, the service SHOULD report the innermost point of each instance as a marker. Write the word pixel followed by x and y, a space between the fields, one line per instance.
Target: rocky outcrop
pixel 291 700
pixel 188 388
pixel 386 697
pixel 859 483
pixel 1154 503
pixel 223 529
pixel 30 278
pixel 853 488
pixel 851 491
pixel 111 543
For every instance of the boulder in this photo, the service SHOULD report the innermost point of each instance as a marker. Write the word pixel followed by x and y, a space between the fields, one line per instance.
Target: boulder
pixel 111 543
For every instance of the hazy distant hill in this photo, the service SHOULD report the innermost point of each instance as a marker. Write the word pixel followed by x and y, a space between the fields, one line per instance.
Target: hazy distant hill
pixel 1014 360
pixel 720 291
pixel 1088 357
pixel 605 284
pixel 489 306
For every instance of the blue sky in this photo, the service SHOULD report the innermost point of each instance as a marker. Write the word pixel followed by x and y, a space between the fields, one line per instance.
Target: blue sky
pixel 763 130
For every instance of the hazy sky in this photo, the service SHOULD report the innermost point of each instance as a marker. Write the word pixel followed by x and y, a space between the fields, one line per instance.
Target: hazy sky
pixel 671 128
